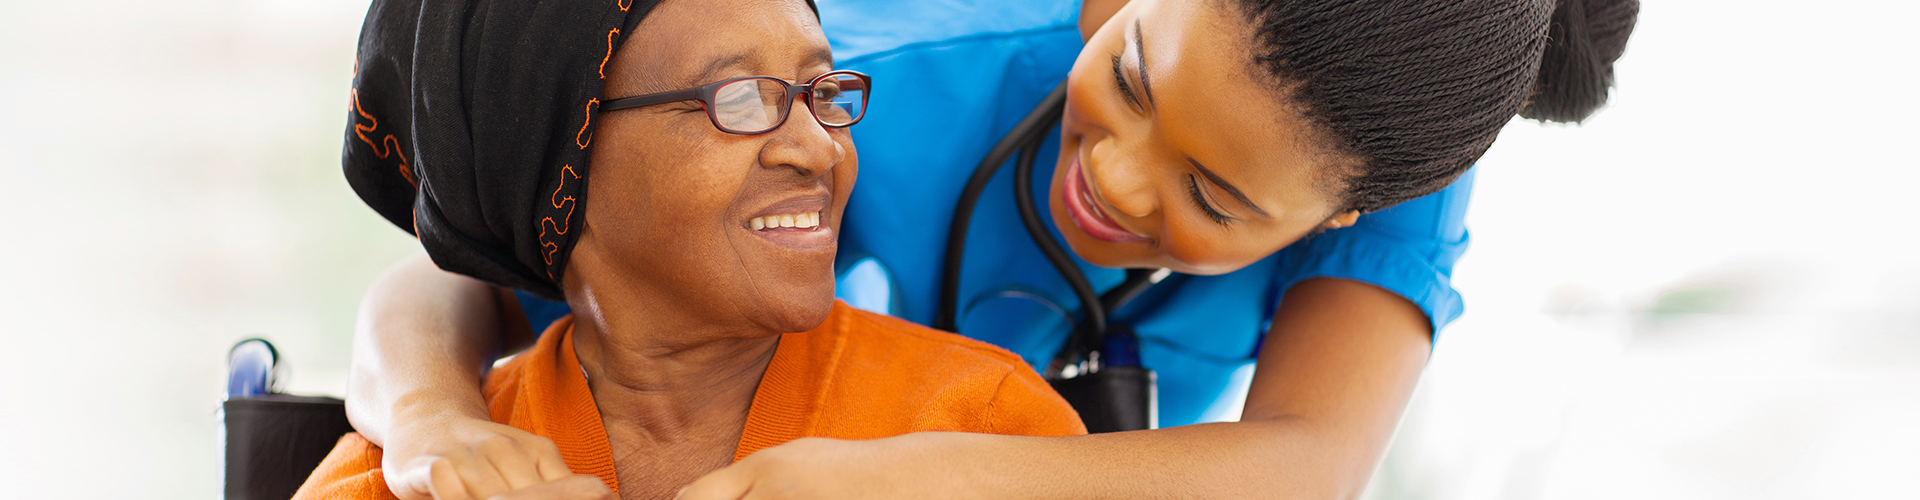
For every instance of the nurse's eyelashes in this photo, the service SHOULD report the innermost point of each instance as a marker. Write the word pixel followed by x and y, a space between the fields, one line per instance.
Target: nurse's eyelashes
pixel 803 220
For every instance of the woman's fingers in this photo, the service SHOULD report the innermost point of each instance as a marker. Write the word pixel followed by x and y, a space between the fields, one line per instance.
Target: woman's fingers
pixel 574 487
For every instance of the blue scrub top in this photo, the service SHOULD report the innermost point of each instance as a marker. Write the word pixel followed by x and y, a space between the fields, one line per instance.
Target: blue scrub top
pixel 950 78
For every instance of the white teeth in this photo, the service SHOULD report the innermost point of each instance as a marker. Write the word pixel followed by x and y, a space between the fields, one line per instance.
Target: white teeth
pixel 804 220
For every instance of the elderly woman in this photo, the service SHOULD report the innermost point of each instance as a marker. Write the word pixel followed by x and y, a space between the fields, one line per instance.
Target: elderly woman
pixel 720 165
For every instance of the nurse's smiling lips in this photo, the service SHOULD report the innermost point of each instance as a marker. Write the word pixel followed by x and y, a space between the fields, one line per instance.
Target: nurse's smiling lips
pixel 1083 208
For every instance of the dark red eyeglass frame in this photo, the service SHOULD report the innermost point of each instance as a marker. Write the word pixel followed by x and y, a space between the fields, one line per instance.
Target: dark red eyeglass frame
pixel 706 93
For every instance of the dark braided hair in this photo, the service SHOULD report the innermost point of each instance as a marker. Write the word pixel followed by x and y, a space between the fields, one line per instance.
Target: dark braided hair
pixel 1412 92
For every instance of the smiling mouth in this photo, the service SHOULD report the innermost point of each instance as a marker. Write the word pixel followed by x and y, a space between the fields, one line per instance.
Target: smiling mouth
pixel 1087 214
pixel 800 229
pixel 803 221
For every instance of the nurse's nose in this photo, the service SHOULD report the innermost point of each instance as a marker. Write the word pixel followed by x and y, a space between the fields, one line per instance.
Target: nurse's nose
pixel 1122 180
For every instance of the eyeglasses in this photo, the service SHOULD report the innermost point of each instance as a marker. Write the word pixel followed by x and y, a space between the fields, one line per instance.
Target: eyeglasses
pixel 758 104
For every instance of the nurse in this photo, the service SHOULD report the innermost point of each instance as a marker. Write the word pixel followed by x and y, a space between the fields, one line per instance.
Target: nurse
pixel 1301 165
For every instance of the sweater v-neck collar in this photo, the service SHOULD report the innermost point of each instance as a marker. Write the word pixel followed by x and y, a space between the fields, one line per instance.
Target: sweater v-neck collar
pixel 558 403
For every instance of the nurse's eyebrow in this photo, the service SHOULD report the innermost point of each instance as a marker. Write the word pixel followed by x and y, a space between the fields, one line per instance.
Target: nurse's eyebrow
pixel 1228 187
pixel 1140 52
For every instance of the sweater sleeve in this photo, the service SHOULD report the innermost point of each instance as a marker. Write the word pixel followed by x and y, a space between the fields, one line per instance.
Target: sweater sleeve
pixel 1025 405
pixel 350 472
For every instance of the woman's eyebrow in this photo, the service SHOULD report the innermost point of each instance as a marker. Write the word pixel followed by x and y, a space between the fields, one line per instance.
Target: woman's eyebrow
pixel 1228 187
pixel 720 66
pixel 1140 53
pixel 822 55
pixel 744 60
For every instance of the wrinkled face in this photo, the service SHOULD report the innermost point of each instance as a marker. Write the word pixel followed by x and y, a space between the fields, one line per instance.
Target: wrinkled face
pixel 1175 154
pixel 671 198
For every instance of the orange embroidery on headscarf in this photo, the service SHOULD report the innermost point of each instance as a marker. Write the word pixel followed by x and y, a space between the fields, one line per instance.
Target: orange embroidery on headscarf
pixel 549 248
pixel 388 146
pixel 603 60
pixel 624 4
pixel 583 127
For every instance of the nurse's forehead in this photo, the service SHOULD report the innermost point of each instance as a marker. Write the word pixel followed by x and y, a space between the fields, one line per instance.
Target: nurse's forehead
pixel 1216 108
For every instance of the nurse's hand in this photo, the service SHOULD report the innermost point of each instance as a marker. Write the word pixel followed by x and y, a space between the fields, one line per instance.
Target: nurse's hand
pixel 910 466
pixel 460 458
pixel 580 487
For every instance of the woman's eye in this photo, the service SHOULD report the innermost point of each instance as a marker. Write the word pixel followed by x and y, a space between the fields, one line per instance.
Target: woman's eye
pixel 825 94
pixel 741 101
pixel 1193 188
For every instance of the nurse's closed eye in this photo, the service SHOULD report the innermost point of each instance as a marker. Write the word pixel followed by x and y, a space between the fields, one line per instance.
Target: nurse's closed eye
pixel 1120 75
pixel 1193 189
pixel 1126 90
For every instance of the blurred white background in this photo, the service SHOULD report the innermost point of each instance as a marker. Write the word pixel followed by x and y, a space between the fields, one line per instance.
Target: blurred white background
pixel 1710 290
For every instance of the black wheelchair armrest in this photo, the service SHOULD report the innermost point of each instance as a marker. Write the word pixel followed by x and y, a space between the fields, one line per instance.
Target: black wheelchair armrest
pixel 274 441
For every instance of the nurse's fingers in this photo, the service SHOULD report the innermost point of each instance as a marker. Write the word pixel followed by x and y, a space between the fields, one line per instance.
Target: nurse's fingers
pixel 430 478
pixel 479 478
pixel 579 487
pixel 730 483
pixel 514 460
pixel 547 459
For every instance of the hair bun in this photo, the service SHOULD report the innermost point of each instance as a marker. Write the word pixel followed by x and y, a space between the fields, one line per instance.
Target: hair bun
pixel 1585 37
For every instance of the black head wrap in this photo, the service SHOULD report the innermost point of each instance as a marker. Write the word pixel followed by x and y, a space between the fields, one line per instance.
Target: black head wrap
pixel 470 124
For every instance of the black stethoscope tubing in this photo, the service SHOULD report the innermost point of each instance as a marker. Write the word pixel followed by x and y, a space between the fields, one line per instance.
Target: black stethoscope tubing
pixel 1025 139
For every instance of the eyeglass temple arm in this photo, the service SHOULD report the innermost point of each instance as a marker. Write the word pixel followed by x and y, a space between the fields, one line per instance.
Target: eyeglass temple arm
pixel 692 94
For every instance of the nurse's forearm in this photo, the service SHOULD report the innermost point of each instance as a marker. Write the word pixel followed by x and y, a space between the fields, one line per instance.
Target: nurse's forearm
pixel 1267 459
pixel 1334 376
pixel 421 344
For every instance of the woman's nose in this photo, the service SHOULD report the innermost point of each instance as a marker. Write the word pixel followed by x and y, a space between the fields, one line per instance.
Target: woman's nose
pixel 802 144
pixel 1121 180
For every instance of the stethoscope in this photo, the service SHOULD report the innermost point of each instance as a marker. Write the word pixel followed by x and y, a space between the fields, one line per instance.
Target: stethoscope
pixel 1087 342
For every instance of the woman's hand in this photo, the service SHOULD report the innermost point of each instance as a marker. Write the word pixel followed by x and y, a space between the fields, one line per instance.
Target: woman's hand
pixel 914 466
pixel 461 458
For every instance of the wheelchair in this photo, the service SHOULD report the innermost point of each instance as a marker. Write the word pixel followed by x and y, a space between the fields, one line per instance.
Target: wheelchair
pixel 273 440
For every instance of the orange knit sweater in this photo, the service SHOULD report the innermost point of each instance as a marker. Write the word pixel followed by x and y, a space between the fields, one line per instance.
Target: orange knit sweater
pixel 860 375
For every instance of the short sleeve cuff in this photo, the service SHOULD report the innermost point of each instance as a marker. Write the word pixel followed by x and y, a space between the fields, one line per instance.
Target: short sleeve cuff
pixel 1402 267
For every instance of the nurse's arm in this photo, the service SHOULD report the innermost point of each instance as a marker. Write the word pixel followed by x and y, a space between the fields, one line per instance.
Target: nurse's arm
pixel 1334 375
pixel 1333 378
pixel 421 344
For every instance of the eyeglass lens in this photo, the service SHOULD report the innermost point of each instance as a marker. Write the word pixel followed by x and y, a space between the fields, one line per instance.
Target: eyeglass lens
pixel 757 105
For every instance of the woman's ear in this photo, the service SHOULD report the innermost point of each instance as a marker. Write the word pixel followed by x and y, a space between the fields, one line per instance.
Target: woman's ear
pixel 1341 220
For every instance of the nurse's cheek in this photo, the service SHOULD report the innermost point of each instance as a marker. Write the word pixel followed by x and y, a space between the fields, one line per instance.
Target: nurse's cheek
pixel 1095 13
